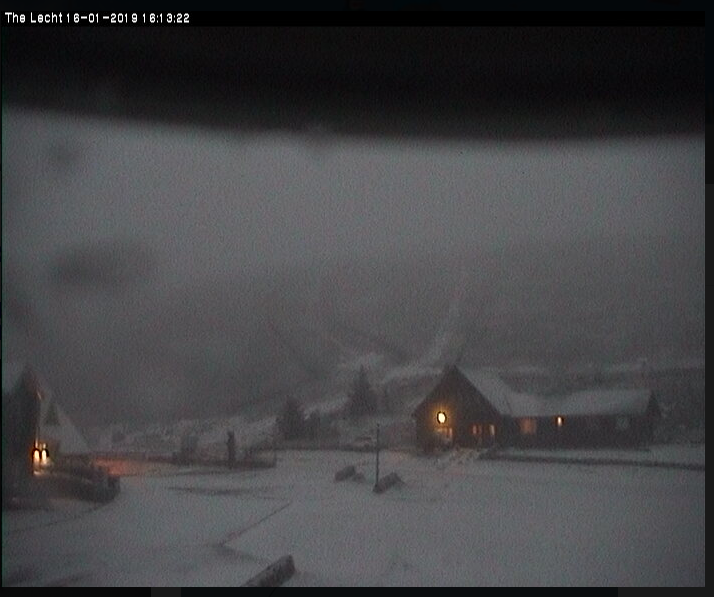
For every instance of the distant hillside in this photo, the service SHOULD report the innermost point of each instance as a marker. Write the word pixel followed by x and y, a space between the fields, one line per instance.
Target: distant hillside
pixel 223 344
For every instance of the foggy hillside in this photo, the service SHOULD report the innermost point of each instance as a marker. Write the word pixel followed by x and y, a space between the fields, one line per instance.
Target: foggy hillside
pixel 141 351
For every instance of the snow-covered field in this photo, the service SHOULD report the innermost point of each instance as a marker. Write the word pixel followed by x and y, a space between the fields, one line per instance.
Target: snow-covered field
pixel 457 520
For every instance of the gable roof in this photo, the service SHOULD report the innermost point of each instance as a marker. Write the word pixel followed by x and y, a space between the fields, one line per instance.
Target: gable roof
pixel 500 395
pixel 56 426
pixel 594 402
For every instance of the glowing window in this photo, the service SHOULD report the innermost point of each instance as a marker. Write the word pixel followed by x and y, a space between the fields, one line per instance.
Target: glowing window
pixel 527 426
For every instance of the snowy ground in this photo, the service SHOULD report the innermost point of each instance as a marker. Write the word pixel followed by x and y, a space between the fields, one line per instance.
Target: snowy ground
pixel 684 455
pixel 457 520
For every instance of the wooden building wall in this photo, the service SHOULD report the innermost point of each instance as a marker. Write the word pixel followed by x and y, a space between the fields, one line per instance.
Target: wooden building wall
pixel 20 417
pixel 464 407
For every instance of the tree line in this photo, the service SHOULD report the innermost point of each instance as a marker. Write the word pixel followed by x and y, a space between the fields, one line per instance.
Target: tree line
pixel 293 423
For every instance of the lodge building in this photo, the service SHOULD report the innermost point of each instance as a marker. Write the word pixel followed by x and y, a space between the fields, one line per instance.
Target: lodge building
pixel 476 408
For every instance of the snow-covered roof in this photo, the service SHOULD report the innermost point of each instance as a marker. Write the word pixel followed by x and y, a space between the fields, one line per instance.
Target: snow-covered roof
pixel 494 389
pixel 604 402
pixel 56 426
pixel 595 402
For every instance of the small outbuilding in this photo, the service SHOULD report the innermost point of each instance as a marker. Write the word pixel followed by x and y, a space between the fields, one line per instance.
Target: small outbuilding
pixel 476 408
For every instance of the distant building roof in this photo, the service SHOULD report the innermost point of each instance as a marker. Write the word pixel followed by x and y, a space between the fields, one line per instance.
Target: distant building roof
pixel 594 402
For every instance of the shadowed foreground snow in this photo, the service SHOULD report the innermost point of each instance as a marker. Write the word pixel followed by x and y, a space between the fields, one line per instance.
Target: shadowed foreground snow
pixel 456 520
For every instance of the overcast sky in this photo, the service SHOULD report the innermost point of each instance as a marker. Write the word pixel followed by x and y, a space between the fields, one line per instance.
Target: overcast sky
pixel 213 202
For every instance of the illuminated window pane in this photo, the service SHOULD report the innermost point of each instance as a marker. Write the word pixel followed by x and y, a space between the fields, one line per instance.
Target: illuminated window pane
pixel 527 426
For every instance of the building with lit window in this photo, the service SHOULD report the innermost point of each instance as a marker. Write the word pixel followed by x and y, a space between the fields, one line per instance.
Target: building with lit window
pixel 476 408
pixel 21 394
pixel 35 429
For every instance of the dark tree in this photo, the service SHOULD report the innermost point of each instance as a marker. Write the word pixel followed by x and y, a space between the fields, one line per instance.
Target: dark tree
pixel 291 420
pixel 362 400
pixel 313 425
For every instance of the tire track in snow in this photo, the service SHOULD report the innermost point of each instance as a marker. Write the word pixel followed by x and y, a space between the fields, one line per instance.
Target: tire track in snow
pixel 57 521
pixel 235 534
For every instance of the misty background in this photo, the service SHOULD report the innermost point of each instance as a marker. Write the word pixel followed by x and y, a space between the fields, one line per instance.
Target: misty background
pixel 152 272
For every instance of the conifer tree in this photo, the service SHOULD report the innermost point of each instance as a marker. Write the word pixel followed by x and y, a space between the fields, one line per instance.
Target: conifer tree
pixel 362 399
pixel 291 420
